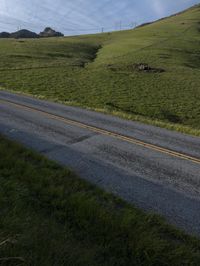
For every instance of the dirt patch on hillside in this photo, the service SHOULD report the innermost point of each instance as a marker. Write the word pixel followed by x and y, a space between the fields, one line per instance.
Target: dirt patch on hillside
pixel 141 67
pixel 148 69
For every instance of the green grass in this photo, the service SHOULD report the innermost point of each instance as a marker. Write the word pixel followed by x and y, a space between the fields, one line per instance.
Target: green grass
pixel 51 217
pixel 97 71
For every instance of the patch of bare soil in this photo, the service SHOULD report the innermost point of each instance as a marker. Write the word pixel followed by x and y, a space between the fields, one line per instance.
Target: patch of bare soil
pixel 148 69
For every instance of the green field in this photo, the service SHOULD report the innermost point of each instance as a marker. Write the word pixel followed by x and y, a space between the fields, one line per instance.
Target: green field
pixel 51 217
pixel 99 71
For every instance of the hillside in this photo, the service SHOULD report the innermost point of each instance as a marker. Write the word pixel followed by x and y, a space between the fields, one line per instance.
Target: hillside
pixel 23 34
pixel 151 74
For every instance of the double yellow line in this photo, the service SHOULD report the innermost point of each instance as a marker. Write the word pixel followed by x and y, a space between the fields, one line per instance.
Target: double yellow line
pixel 104 132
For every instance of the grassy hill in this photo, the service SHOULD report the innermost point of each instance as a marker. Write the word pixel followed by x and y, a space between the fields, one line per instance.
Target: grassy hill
pixel 101 71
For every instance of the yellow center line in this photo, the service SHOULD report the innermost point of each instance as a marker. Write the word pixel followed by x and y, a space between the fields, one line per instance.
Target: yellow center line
pixel 105 132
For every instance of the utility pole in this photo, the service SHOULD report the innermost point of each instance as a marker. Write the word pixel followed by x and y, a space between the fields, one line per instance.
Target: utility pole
pixel 133 25
pixel 116 26
pixel 120 25
pixel 102 30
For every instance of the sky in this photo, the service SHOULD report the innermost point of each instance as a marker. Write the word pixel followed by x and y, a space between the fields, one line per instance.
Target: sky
pixel 74 17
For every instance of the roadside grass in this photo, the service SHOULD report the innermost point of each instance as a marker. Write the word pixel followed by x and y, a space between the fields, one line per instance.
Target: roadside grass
pixel 49 216
pixel 99 71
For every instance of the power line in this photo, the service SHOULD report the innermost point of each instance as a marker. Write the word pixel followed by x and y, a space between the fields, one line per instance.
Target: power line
pixel 116 27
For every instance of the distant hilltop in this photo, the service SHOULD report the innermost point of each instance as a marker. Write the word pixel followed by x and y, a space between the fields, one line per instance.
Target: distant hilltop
pixel 49 32
pixel 21 34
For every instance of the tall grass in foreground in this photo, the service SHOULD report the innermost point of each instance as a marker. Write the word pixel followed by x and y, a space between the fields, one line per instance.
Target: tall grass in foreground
pixel 49 216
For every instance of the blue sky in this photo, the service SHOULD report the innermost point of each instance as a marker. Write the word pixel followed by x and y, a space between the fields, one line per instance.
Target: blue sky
pixel 84 16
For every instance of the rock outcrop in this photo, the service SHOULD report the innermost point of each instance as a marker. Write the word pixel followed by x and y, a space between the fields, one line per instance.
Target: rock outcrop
pixel 23 34
pixel 49 32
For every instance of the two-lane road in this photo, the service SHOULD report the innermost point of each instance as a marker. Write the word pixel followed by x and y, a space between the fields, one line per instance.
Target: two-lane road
pixel 153 168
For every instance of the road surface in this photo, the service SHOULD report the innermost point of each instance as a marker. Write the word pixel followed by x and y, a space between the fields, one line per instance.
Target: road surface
pixel 155 169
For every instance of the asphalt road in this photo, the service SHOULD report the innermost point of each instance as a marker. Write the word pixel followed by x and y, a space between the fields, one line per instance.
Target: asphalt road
pixel 156 169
